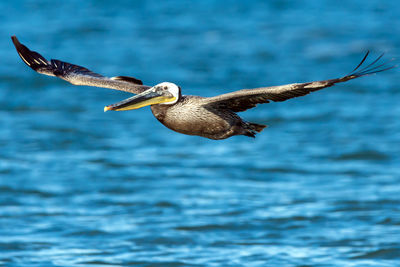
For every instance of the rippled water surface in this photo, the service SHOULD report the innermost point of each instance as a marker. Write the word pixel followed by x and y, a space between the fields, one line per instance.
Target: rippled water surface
pixel 319 187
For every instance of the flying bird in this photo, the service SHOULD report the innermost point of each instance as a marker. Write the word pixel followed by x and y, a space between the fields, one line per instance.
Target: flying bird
pixel 211 117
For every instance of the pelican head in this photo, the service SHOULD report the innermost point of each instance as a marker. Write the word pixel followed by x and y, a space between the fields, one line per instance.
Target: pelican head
pixel 163 93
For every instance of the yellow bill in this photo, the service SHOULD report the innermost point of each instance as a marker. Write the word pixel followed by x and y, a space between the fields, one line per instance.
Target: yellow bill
pixel 149 97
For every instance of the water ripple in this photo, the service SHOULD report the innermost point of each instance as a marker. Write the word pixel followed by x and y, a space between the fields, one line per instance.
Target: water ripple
pixel 319 187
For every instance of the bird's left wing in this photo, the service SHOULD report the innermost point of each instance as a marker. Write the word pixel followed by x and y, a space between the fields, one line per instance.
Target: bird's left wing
pixel 248 98
pixel 75 74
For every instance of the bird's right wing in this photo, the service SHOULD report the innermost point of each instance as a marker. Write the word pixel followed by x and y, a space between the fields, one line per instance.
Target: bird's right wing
pixel 75 74
pixel 248 98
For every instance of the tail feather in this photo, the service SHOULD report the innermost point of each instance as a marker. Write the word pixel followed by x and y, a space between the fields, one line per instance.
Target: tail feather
pixel 253 129
pixel 257 127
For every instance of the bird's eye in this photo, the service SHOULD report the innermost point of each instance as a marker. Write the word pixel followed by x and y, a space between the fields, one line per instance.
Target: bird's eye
pixel 165 87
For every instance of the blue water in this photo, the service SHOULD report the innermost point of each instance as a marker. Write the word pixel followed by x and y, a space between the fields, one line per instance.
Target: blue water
pixel 319 187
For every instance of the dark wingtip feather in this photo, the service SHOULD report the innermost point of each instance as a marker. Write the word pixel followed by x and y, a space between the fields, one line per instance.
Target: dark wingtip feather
pixel 31 58
pixel 14 40
pixel 362 61
pixel 17 44
pixel 374 67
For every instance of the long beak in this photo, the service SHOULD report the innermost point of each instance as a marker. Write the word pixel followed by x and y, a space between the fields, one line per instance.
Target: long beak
pixel 151 96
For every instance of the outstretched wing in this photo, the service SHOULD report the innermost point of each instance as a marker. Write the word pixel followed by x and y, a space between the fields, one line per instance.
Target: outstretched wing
pixel 75 74
pixel 249 98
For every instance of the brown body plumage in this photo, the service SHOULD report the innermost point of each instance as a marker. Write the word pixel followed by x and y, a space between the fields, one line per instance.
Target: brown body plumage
pixel 210 117
pixel 193 116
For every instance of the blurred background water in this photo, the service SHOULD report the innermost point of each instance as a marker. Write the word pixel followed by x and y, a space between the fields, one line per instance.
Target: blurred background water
pixel 319 187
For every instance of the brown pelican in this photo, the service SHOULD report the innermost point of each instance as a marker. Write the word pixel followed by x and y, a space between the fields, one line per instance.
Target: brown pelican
pixel 211 117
